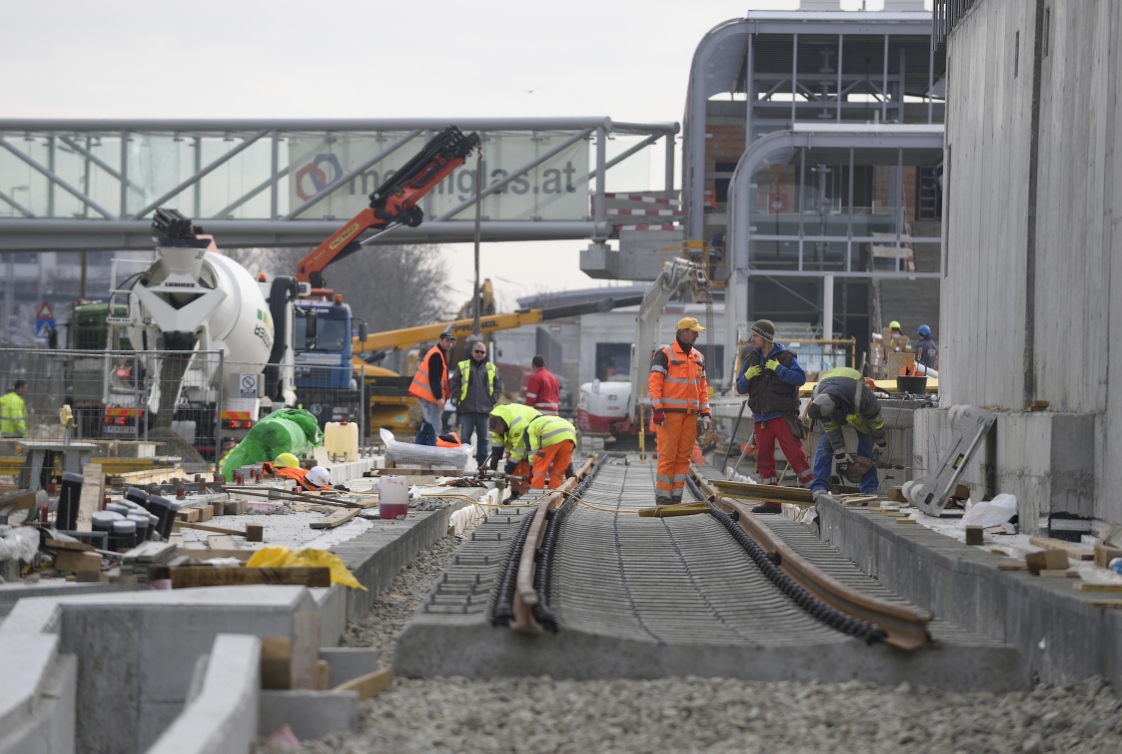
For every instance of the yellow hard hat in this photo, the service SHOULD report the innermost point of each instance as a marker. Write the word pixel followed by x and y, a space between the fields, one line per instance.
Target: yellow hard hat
pixel 289 460
pixel 893 325
pixel 688 323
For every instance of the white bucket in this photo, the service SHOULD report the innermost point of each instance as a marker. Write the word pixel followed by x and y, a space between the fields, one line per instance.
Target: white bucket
pixel 393 497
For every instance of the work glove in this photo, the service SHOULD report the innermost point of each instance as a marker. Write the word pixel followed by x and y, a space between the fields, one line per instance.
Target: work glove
pixel 772 364
pixel 658 417
pixel 510 467
pixel 880 446
pixel 494 463
pixel 753 372
pixel 841 459
pixel 704 423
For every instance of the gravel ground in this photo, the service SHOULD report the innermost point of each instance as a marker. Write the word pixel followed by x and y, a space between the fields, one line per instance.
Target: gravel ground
pixel 515 715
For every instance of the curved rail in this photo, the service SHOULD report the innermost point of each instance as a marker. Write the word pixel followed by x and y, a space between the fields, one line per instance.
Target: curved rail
pixel 525 595
pixel 905 627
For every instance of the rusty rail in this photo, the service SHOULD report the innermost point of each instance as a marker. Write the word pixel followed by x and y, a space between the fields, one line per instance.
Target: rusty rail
pixel 525 596
pixel 905 626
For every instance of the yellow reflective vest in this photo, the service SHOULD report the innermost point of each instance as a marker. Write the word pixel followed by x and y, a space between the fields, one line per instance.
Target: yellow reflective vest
pixel 13 415
pixel 546 431
pixel 517 417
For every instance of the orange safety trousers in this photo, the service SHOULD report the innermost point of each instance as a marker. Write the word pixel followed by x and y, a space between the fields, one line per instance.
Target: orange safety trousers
pixel 550 465
pixel 676 439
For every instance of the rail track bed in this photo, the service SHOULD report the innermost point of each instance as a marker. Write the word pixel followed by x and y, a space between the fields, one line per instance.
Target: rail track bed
pixel 638 597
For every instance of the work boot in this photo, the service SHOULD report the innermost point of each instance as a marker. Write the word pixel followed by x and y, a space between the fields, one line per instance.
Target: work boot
pixel 768 508
pixel 663 501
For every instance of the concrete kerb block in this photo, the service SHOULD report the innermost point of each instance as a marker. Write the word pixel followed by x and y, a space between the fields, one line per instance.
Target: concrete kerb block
pixel 50 728
pixel 332 605
pixel 222 719
pixel 310 714
pixel 348 663
pixel 27 661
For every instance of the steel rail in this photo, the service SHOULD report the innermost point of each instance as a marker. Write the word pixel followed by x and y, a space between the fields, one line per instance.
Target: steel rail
pixel 525 595
pixel 906 627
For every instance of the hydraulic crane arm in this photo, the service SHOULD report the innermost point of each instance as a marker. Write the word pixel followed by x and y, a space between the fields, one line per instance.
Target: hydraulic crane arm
pixel 394 202
pixel 411 336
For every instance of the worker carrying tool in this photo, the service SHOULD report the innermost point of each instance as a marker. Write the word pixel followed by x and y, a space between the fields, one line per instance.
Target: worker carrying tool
pixel 287 466
pixel 476 386
pixel 542 391
pixel 843 397
pixel 430 388
pixel 13 411
pixel 771 377
pixel 552 440
pixel 680 408
pixel 508 425
pixel 925 348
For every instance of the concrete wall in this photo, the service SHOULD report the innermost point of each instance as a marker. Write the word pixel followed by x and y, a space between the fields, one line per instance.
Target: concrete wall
pixel 1026 303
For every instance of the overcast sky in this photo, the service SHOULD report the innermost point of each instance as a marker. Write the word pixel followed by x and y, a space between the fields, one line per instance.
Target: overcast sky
pixel 625 59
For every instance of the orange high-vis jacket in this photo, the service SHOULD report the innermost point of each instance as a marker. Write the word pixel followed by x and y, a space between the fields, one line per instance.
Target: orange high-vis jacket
pixel 421 388
pixel 300 476
pixel 677 381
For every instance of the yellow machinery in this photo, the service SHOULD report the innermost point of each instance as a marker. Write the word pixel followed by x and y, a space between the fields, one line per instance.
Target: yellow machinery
pixel 390 402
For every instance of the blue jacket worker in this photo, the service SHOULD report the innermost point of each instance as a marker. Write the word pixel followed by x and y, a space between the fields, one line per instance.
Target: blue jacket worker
pixel 925 348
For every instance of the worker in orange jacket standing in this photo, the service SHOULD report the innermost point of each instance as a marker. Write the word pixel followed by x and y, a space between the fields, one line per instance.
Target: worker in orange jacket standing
pixel 430 388
pixel 680 405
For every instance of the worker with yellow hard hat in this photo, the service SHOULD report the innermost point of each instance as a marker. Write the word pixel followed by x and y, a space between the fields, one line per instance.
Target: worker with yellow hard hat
pixel 680 408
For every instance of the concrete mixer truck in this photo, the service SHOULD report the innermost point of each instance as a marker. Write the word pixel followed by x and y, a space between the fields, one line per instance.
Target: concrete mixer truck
pixel 189 305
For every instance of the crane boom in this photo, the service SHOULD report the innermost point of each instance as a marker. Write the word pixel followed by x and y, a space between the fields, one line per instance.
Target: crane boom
pixel 411 336
pixel 394 202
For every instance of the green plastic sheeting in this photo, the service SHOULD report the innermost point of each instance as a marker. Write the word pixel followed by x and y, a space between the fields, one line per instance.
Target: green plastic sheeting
pixel 288 430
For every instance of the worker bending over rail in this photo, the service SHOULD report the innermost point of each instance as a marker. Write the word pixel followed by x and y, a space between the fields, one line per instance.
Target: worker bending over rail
pixel 771 378
pixel 842 397
pixel 680 408
pixel 552 440
pixel 508 424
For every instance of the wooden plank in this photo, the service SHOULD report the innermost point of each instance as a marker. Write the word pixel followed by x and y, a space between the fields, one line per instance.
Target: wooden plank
pixel 974 535
pixel 187 515
pixel 1105 553
pixel 370 684
pixel 1060 573
pixel 1109 604
pixel 176 525
pixel 205 554
pixel 93 492
pixel 1074 550
pixel 206 512
pixel 1084 586
pixel 221 542
pixel 186 577
pixel 961 492
pixel 765 492
pixel 275 654
pixel 54 544
pixel 254 533
pixel 1011 564
pixel 75 562
pixel 338 518
pixel 1047 560
pixel 896 495
pixel 305 650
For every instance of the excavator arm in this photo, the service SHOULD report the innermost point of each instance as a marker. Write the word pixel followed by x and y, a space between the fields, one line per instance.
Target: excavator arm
pixel 394 202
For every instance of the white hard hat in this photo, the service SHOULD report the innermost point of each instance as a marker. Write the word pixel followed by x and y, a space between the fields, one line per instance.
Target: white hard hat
pixel 319 476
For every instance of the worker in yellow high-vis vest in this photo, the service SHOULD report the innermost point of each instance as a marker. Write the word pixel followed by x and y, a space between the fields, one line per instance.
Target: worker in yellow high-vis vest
pixel 13 411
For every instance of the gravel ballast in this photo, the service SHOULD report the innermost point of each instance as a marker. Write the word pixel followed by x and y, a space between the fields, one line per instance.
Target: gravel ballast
pixel 518 715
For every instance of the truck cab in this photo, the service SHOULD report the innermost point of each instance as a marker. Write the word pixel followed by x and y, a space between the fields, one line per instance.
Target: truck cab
pixel 325 381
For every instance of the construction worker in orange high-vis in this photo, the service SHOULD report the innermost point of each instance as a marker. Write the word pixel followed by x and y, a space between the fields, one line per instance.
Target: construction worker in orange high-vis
pixel 552 440
pixel 430 388
pixel 680 408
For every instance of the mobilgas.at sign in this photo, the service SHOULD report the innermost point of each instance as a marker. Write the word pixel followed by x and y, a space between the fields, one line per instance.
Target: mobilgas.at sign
pixel 557 189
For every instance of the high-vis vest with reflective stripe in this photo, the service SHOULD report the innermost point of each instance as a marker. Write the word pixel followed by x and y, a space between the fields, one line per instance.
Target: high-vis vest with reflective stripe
pixel 517 417
pixel 13 414
pixel 862 418
pixel 547 431
pixel 465 379
pixel 680 386
pixel 420 387
pixel 543 392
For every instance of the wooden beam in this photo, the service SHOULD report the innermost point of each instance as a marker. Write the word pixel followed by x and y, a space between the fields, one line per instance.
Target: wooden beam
pixel 338 518
pixel 1074 550
pixel 368 685
pixel 177 525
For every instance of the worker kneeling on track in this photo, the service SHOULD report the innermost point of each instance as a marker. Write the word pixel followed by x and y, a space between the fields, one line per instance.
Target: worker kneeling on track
pixel 842 397
pixel 508 424
pixel 287 466
pixel 680 408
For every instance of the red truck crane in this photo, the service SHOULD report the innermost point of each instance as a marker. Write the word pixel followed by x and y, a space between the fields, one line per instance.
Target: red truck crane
pixel 393 203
